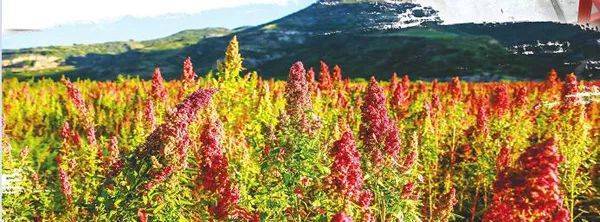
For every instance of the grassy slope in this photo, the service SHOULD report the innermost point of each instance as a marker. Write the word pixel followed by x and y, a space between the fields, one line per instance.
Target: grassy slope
pixel 173 42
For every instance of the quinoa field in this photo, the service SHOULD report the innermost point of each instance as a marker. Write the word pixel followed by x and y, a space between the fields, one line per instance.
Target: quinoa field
pixel 319 146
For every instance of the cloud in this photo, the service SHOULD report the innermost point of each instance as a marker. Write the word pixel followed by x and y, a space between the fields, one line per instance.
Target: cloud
pixel 40 14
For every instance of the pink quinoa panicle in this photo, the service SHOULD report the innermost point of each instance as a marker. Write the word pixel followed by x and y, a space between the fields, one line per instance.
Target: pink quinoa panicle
pixel 410 160
pixel 337 74
pixel 228 199
pixel 346 171
pixel 214 164
pixel 503 159
pixel 65 131
pixel 408 190
pixel 185 112
pixel 341 217
pixel 325 81
pixel 310 75
pixel 65 185
pixel 394 81
pixel 158 91
pixel 435 86
pixel 365 198
pixel 377 130
pixel 392 140
pixel 297 96
pixel 149 114
pixel 531 189
pixel 406 82
pixel 500 100
pixel 75 96
pixel 342 101
pixel 188 74
pixel 90 134
pixel 570 90
pixel 214 174
pixel 113 149
pixel 142 215
pixel 454 87
pixel 296 91
pixel 436 104
pixel 482 118
pixel 175 126
pixel 400 96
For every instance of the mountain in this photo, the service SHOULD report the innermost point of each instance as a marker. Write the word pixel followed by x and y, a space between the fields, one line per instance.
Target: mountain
pixel 365 38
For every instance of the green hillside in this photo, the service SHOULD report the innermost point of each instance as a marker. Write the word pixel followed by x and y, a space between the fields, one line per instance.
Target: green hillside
pixel 52 60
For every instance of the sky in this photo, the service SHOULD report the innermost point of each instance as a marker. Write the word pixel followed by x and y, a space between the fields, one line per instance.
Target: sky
pixel 65 22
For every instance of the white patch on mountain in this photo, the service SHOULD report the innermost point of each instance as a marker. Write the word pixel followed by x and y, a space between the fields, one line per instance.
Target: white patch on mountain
pixel 482 11
pixel 415 16
pixel 550 47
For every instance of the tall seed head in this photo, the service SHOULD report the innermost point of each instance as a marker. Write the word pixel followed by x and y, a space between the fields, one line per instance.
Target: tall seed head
pixel 310 75
pixel 65 185
pixel 325 82
pixel 297 96
pixel 337 73
pixel 482 118
pixel 570 90
pixel 188 74
pixel 161 140
pixel 455 89
pixel 75 96
pixel 158 91
pixel 531 189
pixel 346 172
pixel 500 100
pixel 377 131
pixel 394 82
pixel 233 60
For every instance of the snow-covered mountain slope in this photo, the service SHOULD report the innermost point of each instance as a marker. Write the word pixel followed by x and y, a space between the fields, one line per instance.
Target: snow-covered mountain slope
pixel 478 11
